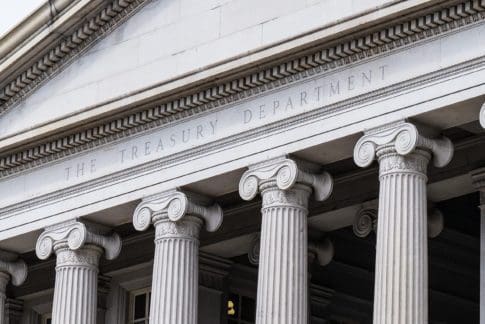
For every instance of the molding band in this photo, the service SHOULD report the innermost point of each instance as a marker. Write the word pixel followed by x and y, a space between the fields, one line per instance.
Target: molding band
pixel 388 39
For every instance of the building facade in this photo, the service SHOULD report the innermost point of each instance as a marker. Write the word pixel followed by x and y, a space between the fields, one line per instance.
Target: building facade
pixel 234 161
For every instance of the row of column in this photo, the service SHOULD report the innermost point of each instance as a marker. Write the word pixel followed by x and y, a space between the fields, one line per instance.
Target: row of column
pixel 285 184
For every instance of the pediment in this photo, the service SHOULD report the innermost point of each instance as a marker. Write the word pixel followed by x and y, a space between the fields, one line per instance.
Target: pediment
pixel 125 50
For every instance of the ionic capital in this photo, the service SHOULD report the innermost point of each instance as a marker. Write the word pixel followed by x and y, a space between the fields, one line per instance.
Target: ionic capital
pixel 323 250
pixel 174 205
pixel 286 173
pixel 404 138
pixel 365 222
pixel 74 235
pixel 14 267
pixel 436 222
pixel 482 116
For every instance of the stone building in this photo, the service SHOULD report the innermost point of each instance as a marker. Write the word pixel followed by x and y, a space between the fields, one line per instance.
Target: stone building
pixel 243 161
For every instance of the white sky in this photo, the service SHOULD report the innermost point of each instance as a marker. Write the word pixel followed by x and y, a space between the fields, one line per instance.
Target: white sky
pixel 13 11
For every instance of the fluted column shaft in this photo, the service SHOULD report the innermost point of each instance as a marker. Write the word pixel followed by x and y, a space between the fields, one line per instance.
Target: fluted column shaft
pixel 4 278
pixel 285 186
pixel 401 285
pixel 76 287
pixel 401 277
pixel 283 268
pixel 178 218
pixel 78 247
pixel 478 177
pixel 176 271
pixel 482 259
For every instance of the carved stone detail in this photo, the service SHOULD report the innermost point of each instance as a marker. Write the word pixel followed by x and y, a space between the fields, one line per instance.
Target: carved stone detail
pixel 178 218
pixel 75 235
pixel 436 223
pixel 253 253
pixel 324 251
pixel 11 268
pixel 403 138
pixel 174 205
pixel 402 242
pixel 365 222
pixel 285 186
pixel 285 173
pixel 68 47
pixel 15 268
pixel 78 247
pixel 381 41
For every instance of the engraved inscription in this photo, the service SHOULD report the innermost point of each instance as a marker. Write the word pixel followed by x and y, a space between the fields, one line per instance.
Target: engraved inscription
pixel 322 92
pixel 80 169
pixel 221 123
pixel 253 113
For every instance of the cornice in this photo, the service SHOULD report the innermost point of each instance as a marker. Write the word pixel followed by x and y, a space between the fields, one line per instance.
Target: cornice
pixel 24 35
pixel 63 52
pixel 329 58
pixel 237 140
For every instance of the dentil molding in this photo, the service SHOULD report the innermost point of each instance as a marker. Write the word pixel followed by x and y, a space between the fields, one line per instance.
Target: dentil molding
pixel 385 40
pixel 59 56
pixel 75 235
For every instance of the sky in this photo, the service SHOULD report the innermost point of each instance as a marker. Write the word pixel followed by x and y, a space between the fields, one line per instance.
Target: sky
pixel 13 11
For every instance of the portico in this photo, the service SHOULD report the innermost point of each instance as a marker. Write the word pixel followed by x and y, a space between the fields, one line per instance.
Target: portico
pixel 335 180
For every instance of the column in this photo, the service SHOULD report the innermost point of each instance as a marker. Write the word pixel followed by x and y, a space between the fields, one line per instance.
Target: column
pixel 322 251
pixel 29 316
pixel 285 187
pixel 401 277
pixel 13 311
pixel 78 247
pixel 11 269
pixel 478 177
pixel 178 218
pixel 482 116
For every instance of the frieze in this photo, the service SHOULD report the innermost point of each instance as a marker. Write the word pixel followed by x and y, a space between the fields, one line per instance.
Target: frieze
pixel 386 40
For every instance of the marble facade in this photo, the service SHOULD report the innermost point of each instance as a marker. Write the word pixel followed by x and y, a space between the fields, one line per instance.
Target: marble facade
pixel 258 152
